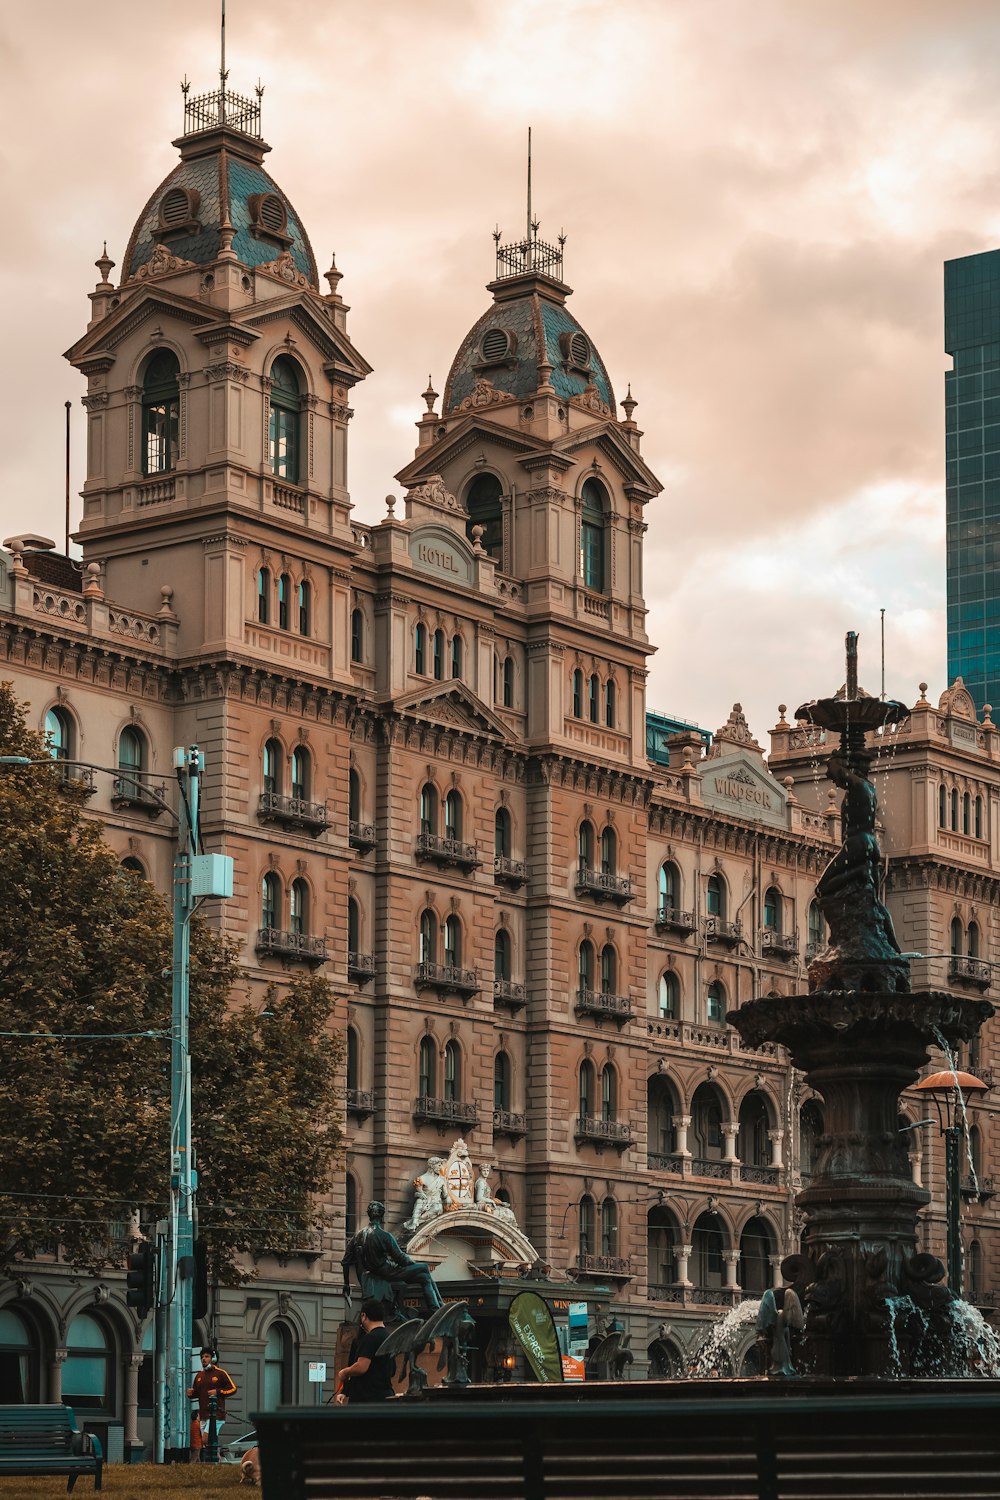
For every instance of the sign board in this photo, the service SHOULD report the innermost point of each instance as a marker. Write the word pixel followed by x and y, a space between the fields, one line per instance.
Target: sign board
pixel 317 1370
pixel 434 550
pixel 737 783
pixel 572 1367
pixel 532 1323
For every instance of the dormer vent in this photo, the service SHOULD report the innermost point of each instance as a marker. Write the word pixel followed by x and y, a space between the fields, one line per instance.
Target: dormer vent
pixel 497 345
pixel 179 211
pixel 576 351
pixel 269 217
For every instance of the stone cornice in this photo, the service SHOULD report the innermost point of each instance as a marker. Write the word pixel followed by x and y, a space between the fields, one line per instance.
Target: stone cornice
pixel 928 871
pixel 623 784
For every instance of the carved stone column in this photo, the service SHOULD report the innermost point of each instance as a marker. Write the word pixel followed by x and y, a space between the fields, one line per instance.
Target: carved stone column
pixel 731 1257
pixel 777 1139
pixel 682 1124
pixel 775 1264
pixel 55 1375
pixel 130 1410
pixel 730 1130
pixel 683 1256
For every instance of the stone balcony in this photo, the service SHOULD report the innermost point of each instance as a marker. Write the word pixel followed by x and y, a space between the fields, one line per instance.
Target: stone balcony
pixel 293 947
pixel 603 885
pixel 719 930
pixel 292 812
pixel 508 994
pixel 617 1008
pixel 444 1112
pixel 361 836
pixel 783 945
pixel 512 873
pixel 510 1123
pixel 447 979
pixel 361 1103
pixel 604 1267
pixel 446 852
pixel 673 919
pixel 595 1132
pixel 130 793
pixel 360 967
pixel 972 972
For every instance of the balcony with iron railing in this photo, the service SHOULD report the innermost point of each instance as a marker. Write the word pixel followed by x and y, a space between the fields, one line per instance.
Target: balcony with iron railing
pixel 603 885
pixel 617 1267
pixel 360 967
pixel 527 256
pixel 982 1188
pixel 447 979
pixel 711 1166
pixel 447 851
pixel 721 930
pixel 760 1176
pixel 361 1103
pixel 294 947
pixel 974 972
pixel 445 1111
pixel 672 1163
pixel 221 109
pixel 672 919
pixel 617 1008
pixel 510 1123
pixel 600 1132
pixel 510 872
pixel 361 836
pixel 292 812
pixel 508 994
pixel 130 793
pixel 774 944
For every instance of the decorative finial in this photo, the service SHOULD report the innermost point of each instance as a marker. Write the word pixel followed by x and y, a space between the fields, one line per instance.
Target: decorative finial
pixel 987 710
pixel 429 397
pixel 390 505
pixel 259 90
pixel 185 86
pixel 104 264
pixel 923 693
pixel 333 276
pixel 629 404
pixel 477 538
pixel 536 225
pixel 497 231
pixel 782 710
pixel 562 239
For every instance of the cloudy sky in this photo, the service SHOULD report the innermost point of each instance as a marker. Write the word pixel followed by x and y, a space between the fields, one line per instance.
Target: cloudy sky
pixel 758 196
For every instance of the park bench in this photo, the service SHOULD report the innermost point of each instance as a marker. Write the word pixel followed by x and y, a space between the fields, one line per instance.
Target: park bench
pixel 45 1440
pixel 711 1440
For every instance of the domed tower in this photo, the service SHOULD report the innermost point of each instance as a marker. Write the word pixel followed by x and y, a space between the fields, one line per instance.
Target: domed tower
pixel 219 377
pixel 538 466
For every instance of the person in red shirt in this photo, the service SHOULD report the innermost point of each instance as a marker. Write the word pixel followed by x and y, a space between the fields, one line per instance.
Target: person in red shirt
pixel 211 1380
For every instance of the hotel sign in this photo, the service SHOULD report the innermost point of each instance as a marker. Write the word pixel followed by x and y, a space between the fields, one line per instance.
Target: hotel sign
pixel 435 550
pixel 737 784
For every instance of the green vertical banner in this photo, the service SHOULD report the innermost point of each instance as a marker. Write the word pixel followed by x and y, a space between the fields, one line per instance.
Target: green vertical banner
pixel 532 1322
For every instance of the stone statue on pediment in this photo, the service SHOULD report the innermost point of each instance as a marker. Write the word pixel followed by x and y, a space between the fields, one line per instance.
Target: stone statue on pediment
pixel 431 1195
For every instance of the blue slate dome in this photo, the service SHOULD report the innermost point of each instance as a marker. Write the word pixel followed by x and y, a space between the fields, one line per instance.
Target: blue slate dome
pixel 220 178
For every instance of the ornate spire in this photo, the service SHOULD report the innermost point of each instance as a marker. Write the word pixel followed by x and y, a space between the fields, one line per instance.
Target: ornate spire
pixel 530 254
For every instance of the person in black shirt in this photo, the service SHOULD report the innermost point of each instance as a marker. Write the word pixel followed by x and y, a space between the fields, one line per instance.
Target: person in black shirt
pixel 369 1376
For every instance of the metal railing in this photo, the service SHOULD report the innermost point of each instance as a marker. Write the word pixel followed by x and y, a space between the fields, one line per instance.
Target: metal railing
pixel 706 1166
pixel 721 930
pixel 509 1122
pixel 510 993
pixel 447 977
pixel 299 945
pixel 764 1176
pixel 604 884
pixel 529 255
pixel 447 851
pixel 670 1163
pixel 445 1111
pixel 778 944
pixel 509 871
pixel 361 1102
pixel 223 107
pixel 360 967
pixel 597 1003
pixel 616 1132
pixel 969 971
pixel 295 811
pixel 130 791
pixel 604 1265
pixel 361 836
pixel 675 919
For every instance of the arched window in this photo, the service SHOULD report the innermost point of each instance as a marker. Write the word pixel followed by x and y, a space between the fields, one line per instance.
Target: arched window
pixel 305 607
pixel 353 796
pixel 18 1358
pixel 452 1071
pixel 669 995
pixel 428 937
pixel 972 940
pixel 501 1081
pixel 609 1092
pixel 59 734
pixel 966 814
pixel 609 1227
pixel 756 1248
pixel 706 1123
pixel 975 1150
pixel 270 901
pixel 609 703
pixel 577 681
pixel 298 906
pixel 609 850
pixel 353 926
pixel 87 1369
pixel 956 935
pixel 587 1088
pixel 716 896
pixel 283 432
pixel 501 954
pixel 426 1068
pixel 453 814
pixel 134 866
pixel 662 1240
pixel 264 595
pixel 707 1246
pixel 979 817
pixel 284 601
pixel 420 648
pixel 587 1222
pixel 508 682
pixel 817 926
pixel 453 941
pixel 716 1002
pixel 483 503
pixel 594 695
pixel 592 534
pixel 668 890
pixel 585 966
pixel 772 910
pixel 300 772
pixel 943 805
pixel 609 970
pixel 278 1366
pixel 954 809
pixel 501 834
pixel 456 656
pixel 439 655
pixel 357 635
pixel 428 808
pixel 754 1121
pixel 272 767
pixel 585 844
pixel 131 762
pixel 161 405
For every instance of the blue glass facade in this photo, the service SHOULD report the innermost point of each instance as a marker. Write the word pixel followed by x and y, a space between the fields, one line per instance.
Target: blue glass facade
pixel 972 426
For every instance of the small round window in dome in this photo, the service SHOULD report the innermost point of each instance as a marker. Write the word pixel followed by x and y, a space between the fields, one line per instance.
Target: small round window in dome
pixel 272 213
pixel 579 351
pixel 179 210
pixel 496 345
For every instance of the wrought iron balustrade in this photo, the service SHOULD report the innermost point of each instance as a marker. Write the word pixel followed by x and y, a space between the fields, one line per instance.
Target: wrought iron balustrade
pixel 223 107
pixel 360 967
pixel 604 885
pixel 293 812
pixel 597 1003
pixel 775 944
pixel 705 1166
pixel 447 851
pixel 447 979
pixel 298 946
pixel 510 872
pixel 445 1111
pixel 983 1188
pixel 763 1176
pixel 669 1163
pixel 509 994
pixel 673 919
pixel 615 1133
pixel 130 792
pixel 361 836
pixel 659 1291
pixel 361 1102
pixel 509 1122
pixel 721 930
pixel 715 1296
pixel 972 971
pixel 603 1265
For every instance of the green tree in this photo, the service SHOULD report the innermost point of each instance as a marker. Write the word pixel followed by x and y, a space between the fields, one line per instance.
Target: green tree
pixel 85 958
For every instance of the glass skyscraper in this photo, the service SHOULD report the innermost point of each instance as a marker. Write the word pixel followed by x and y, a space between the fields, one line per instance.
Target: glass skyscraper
pixel 972 424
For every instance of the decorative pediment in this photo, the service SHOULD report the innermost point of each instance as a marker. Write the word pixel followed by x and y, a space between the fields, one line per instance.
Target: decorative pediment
pixel 484 393
pixel 140 301
pixel 737 783
pixel 957 702
pixel 453 706
pixel 735 731
pixel 606 437
pixel 475 429
pixel 161 263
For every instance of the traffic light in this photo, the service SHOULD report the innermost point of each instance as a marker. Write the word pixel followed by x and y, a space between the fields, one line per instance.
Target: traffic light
pixel 140 1279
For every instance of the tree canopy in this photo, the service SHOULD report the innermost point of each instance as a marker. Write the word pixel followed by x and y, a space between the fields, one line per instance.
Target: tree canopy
pixel 85 1016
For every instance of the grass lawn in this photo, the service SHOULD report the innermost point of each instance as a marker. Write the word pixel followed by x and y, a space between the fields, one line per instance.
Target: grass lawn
pixel 135 1482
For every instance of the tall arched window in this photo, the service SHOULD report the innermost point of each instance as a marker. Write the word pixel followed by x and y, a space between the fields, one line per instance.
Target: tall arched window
pixel 609 850
pixel 609 970
pixel 943 805
pixel 716 896
pixel 966 814
pixel 428 937
pixel 587 1219
pixel 956 935
pixel 501 1081
pixel 420 648
pixel 594 696
pixel 298 906
pixel 456 656
pixel 88 1368
pixel 587 1088
pixel 972 940
pixel 483 502
pixel 428 808
pixel 353 926
pixel 975 1270
pixel 453 941
pixel 300 772
pixel 270 901
pixel 453 814
pixel 508 682
pixel 609 1227
pixel 501 834
pixel 609 703
pixel 585 965
pixel 305 607
pixel 669 996
pixel 439 655
pixel 501 954
pixel 18 1358
pixel 278 1366
pixel 161 405
pixel 263 595
pixel 357 635
pixel 716 1002
pixel 816 926
pixel 585 845
pixel 131 762
pixel 283 433
pixel 954 809
pixel 426 1068
pixel 592 533
pixel 609 1092
pixel 669 889
pixel 272 767
pixel 979 817
pixel 772 910
pixel 577 681
pixel 353 796
pixel 59 734
pixel 284 601
pixel 452 1070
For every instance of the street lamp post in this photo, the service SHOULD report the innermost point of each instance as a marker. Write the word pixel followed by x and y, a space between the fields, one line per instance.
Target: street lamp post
pixel 949 1091
pixel 195 875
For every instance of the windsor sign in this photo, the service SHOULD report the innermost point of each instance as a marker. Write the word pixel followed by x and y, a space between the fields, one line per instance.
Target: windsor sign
pixel 737 784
